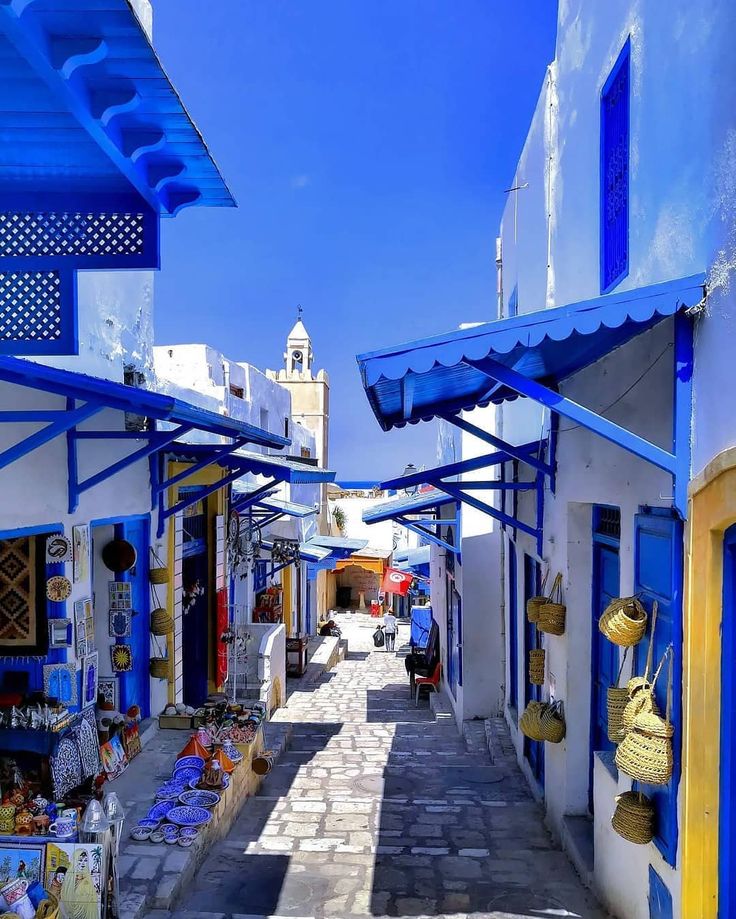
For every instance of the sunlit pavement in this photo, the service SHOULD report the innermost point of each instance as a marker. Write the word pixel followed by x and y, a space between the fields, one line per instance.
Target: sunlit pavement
pixel 381 809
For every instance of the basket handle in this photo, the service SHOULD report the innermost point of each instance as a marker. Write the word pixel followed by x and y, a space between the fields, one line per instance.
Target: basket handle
pixel 663 658
pixel 668 711
pixel 621 668
pixel 544 584
pixel 650 651
pixel 556 589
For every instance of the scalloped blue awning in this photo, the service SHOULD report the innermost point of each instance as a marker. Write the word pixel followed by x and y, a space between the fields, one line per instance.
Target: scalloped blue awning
pixel 444 375
pixel 409 504
pixel 87 108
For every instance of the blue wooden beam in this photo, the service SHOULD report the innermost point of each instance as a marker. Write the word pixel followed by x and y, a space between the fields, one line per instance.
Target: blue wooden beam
pixel 496 485
pixel 66 421
pixel 585 417
pixel 407 395
pixel 524 453
pixel 214 457
pixel 252 497
pixel 428 535
pixel 193 497
pixel 489 510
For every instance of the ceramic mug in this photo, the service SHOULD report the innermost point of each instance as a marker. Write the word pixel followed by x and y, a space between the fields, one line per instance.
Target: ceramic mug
pixel 41 824
pixel 12 892
pixel 63 826
pixel 23 908
pixel 7 818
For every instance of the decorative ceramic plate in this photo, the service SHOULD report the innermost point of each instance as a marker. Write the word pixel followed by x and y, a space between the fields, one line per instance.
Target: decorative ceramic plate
pixel 200 798
pixel 191 762
pixel 187 774
pixel 189 816
pixel 161 810
pixel 58 588
pixel 233 753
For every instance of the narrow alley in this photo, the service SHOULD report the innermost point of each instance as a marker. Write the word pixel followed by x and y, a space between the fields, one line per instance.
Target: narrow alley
pixel 379 808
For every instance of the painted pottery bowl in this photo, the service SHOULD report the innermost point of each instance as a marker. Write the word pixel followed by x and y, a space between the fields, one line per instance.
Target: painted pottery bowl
pixel 157 836
pixel 186 774
pixel 141 833
pixel 160 811
pixel 189 831
pixel 189 816
pixel 185 841
pixel 147 822
pixel 170 829
pixel 190 762
pixel 200 798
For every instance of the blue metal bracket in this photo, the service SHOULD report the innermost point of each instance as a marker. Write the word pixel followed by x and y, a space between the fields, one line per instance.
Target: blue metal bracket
pixel 65 421
pixel 524 454
pixel 242 504
pixel 454 491
pixel 209 460
pixel 192 498
pixel 683 407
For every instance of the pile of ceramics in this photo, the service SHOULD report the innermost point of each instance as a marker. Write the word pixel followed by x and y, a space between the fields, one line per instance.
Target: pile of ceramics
pixel 184 803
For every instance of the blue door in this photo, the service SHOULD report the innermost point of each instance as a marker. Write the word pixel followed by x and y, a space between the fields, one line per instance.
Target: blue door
pixel 453 637
pixel 513 694
pixel 135 685
pixel 727 815
pixel 604 654
pixel 658 576
pixel 533 749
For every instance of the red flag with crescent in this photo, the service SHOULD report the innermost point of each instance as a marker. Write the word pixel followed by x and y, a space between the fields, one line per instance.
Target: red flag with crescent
pixel 396 582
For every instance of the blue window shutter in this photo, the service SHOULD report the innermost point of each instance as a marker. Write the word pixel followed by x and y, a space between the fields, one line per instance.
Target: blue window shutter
pixel 658 564
pixel 615 173
pixel 513 307
pixel 660 899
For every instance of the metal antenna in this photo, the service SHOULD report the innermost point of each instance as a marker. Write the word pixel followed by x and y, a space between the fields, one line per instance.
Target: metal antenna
pixel 299 311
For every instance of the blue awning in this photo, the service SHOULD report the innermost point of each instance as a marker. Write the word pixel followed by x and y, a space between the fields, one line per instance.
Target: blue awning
pixel 265 504
pixel 446 374
pixel 412 504
pixel 338 546
pixel 87 109
pixel 415 559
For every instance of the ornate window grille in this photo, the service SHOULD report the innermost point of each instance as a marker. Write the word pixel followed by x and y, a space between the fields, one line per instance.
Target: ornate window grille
pixel 615 100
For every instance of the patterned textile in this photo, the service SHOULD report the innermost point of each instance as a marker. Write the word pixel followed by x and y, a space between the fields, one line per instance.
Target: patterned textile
pixel 89 745
pixel 18 625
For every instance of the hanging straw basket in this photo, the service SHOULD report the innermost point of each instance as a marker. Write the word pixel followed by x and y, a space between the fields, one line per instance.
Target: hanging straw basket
pixel 159 575
pixel 534 604
pixel 161 622
pixel 645 753
pixel 617 698
pixel 536 667
pixel 553 723
pixel 633 818
pixel 159 668
pixel 642 703
pixel 553 612
pixel 624 622
pixel 639 688
pixel 530 722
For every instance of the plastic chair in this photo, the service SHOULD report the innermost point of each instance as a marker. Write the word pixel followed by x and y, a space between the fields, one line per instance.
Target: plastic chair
pixel 431 682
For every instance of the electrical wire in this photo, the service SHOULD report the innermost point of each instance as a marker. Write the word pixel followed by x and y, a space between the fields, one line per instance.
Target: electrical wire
pixel 625 393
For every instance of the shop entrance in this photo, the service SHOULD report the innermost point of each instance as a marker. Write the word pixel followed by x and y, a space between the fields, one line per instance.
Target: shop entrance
pixel 135 685
pixel 195 603
pixel 727 816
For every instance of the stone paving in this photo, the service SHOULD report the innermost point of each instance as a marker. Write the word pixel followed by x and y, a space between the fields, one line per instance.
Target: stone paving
pixel 381 809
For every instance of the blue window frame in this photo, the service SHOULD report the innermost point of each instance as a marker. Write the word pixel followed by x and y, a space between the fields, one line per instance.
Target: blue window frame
pixel 658 568
pixel 511 577
pixel 614 178
pixel 660 899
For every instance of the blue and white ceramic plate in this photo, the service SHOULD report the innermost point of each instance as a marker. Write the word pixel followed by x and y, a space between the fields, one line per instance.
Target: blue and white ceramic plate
pixel 169 792
pixel 195 762
pixel 189 816
pixel 200 798
pixel 186 774
pixel 160 811
pixel 233 752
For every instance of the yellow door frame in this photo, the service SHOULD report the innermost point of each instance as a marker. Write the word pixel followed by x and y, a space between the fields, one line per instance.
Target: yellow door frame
pixel 712 510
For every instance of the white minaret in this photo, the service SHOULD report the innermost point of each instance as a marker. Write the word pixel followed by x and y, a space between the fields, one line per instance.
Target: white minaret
pixel 299 356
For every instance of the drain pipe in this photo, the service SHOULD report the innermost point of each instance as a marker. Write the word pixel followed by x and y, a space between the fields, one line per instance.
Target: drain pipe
pixel 502 553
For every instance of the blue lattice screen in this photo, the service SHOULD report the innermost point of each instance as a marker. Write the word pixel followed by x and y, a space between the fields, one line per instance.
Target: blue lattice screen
pixel 47 235
pixel 615 173
pixel 37 312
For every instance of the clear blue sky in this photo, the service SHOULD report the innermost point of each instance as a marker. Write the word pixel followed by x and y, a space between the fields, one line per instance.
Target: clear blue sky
pixel 368 143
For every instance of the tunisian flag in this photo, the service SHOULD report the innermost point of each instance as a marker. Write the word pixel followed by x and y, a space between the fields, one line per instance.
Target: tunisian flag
pixel 396 582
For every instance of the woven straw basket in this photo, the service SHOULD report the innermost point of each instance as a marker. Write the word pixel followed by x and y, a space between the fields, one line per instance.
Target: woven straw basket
pixel 536 667
pixel 645 753
pixel 642 703
pixel 633 818
pixel 553 612
pixel 624 621
pixel 617 698
pixel 530 722
pixel 159 575
pixel 553 723
pixel 159 668
pixel 161 622
pixel 534 604
pixel 47 909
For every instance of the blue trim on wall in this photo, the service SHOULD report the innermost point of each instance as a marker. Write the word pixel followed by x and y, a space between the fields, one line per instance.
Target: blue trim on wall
pixel 513 694
pixel 660 899
pixel 727 797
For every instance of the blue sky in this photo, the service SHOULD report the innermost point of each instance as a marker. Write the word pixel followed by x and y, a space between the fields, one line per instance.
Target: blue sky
pixel 368 143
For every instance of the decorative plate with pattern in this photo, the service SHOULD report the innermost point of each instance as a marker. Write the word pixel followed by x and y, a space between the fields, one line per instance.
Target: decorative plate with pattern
pixel 58 588
pixel 200 798
pixel 161 810
pixel 193 762
pixel 186 774
pixel 189 816
pixel 121 657
pixel 66 766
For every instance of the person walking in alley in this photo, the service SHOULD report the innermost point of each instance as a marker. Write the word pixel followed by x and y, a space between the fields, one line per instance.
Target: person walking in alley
pixel 389 629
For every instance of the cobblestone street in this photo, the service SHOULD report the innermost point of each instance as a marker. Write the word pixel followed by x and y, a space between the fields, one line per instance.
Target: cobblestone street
pixel 382 809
